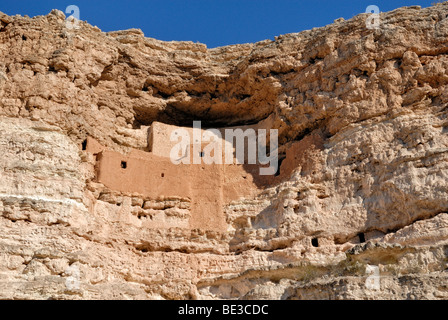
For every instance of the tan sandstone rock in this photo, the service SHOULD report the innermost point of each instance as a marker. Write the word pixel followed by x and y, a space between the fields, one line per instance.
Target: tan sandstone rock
pixel 362 119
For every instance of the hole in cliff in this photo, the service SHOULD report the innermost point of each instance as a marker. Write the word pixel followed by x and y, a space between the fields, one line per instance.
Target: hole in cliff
pixel 124 164
pixel 84 145
pixel 162 175
pixel 118 204
pixel 314 60
pixel 142 247
pixel 362 237
pixel 315 242
pixel 24 38
pixel 145 89
pixel 162 95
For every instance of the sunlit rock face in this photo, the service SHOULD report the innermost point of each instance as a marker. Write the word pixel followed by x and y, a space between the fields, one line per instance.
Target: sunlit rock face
pixel 358 209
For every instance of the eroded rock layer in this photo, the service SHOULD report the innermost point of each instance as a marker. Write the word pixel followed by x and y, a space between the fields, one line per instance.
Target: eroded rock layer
pixel 362 111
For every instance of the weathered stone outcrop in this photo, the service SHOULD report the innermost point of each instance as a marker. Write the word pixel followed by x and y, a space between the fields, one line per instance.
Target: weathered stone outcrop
pixel 362 113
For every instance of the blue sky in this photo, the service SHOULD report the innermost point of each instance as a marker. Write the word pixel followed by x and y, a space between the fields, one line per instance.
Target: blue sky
pixel 213 22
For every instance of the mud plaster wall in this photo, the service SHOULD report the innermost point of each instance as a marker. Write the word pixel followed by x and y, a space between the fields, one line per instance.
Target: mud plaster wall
pixel 207 187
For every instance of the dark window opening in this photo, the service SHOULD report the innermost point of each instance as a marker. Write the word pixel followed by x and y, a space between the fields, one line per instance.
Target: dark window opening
pixel 162 175
pixel 124 164
pixel 24 38
pixel 145 89
pixel 84 145
pixel 315 242
pixel 202 154
pixel 362 237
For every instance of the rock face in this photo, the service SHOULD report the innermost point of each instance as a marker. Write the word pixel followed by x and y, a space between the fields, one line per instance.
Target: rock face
pixel 363 113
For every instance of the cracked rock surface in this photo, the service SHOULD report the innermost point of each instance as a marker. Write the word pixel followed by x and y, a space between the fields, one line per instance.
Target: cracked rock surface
pixel 368 108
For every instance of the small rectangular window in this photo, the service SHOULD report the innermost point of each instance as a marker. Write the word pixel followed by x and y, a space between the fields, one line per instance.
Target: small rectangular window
pixel 124 164
pixel 84 145
pixel 362 237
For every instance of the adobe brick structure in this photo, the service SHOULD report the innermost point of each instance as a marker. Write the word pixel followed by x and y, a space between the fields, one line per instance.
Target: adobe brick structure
pixel 208 186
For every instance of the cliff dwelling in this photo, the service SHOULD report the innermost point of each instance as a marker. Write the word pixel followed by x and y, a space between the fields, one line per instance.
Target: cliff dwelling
pixel 206 188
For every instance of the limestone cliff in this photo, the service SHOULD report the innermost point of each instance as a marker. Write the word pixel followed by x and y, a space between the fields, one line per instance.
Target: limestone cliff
pixel 364 111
